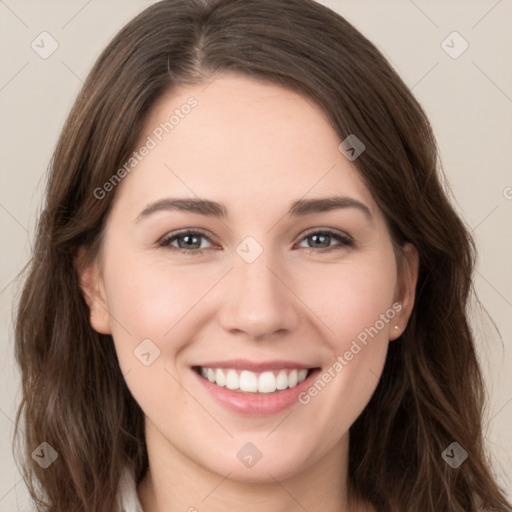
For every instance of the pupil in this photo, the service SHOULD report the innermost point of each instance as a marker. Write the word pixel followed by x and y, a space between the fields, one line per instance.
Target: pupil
pixel 315 237
pixel 189 240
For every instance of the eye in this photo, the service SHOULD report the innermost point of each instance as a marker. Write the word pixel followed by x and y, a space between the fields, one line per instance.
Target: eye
pixel 189 241
pixel 324 236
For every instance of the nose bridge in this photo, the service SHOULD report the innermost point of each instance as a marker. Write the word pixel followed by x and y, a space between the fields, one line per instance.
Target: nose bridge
pixel 259 301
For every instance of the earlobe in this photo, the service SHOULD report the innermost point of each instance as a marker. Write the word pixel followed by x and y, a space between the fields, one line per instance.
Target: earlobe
pixel 406 288
pixel 93 290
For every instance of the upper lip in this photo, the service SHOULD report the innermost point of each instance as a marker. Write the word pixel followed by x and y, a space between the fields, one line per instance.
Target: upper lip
pixel 244 364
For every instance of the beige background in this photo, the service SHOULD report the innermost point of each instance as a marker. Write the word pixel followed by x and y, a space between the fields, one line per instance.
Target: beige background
pixel 468 100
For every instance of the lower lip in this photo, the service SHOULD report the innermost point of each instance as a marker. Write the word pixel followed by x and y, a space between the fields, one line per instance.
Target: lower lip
pixel 252 404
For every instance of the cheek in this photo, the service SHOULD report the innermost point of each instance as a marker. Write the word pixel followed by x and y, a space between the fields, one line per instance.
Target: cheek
pixel 151 297
pixel 350 298
pixel 152 307
pixel 355 302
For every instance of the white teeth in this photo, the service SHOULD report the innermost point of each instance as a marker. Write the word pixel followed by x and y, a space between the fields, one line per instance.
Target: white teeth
pixel 282 380
pixel 267 382
pixel 292 379
pixel 251 382
pixel 220 378
pixel 232 379
pixel 248 381
pixel 301 376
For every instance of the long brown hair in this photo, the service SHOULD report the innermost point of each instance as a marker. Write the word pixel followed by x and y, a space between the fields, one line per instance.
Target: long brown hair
pixel 431 392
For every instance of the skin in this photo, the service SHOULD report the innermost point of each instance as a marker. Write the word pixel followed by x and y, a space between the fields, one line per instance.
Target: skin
pixel 246 144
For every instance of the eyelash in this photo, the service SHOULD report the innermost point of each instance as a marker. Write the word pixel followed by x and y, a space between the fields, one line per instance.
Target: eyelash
pixel 346 241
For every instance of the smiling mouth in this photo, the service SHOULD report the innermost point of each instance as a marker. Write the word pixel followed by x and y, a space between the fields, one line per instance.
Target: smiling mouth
pixel 246 381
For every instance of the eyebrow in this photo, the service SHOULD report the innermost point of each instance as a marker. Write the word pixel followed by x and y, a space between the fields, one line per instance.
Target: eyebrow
pixel 298 208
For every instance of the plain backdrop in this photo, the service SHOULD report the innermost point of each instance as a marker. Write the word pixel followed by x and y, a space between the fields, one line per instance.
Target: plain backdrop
pixel 466 94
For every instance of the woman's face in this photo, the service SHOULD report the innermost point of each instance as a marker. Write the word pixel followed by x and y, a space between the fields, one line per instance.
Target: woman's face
pixel 253 300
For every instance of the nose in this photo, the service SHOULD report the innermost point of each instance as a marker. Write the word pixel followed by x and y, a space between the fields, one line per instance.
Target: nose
pixel 260 301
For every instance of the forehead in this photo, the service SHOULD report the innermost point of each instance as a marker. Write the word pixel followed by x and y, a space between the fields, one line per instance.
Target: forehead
pixel 245 143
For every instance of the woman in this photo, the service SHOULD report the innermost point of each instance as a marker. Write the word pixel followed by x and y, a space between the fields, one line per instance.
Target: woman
pixel 259 370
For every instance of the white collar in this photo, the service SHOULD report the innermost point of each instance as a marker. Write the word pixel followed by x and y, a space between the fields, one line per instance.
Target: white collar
pixel 127 494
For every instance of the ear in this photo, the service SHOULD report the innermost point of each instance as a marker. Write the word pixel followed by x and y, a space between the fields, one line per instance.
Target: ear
pixel 91 284
pixel 405 291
